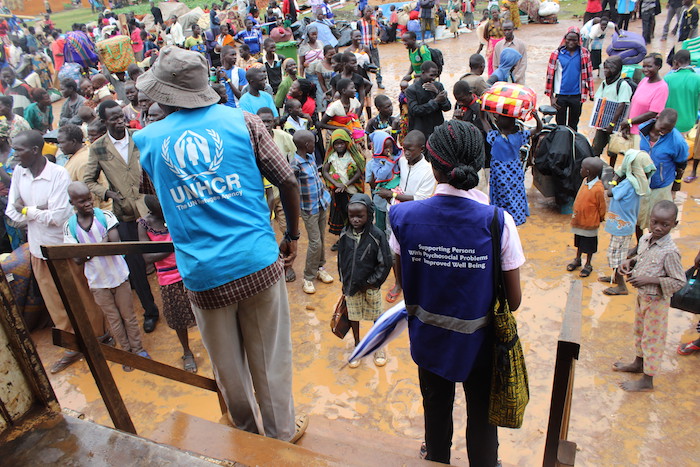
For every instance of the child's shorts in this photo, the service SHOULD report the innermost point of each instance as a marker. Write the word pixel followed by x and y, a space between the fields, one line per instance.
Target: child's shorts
pixel 588 245
pixel 364 305
pixel 618 249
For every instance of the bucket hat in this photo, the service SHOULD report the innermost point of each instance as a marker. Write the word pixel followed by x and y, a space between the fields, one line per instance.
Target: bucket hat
pixel 178 78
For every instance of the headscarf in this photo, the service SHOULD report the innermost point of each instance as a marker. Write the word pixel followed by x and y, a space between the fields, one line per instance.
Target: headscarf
pixel 570 30
pixel 357 157
pixel 384 172
pixel 361 198
pixel 509 58
pixel 284 65
pixel 637 167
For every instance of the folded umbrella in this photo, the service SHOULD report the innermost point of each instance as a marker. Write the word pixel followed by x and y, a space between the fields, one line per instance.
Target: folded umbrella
pixel 389 326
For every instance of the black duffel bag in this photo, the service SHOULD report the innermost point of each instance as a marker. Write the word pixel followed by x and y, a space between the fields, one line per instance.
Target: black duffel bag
pixel 688 298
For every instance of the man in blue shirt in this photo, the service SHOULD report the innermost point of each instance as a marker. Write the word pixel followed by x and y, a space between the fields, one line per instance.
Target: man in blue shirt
pixel 256 98
pixel 232 77
pixel 669 151
pixel 207 163
pixel 569 79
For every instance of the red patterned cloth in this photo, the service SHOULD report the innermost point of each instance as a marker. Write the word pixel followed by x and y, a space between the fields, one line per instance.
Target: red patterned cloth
pixel 509 99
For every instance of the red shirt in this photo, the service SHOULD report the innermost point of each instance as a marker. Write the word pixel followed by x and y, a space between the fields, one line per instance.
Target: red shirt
pixel 594 6
pixel 57 51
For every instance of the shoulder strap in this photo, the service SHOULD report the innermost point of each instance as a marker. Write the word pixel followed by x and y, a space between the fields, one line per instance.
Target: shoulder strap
pixel 498 282
pixel 100 216
pixel 72 224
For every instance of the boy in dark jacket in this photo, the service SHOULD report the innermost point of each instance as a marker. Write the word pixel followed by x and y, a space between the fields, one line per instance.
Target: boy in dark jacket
pixel 364 262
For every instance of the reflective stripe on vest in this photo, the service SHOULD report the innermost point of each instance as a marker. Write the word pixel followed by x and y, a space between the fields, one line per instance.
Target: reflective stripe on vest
pixel 464 326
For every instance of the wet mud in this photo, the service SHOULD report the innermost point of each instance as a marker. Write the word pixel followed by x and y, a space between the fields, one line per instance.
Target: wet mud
pixel 609 426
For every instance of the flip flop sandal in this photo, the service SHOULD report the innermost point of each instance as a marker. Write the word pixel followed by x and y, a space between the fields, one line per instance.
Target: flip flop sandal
pixel 574 265
pixel 586 271
pixel 301 423
pixel 605 279
pixel 689 179
pixel 189 364
pixel 688 349
pixel 612 292
pixel 392 296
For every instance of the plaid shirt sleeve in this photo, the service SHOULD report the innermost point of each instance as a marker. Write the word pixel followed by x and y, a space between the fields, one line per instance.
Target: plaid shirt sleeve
pixel 675 275
pixel 551 69
pixel 271 162
pixel 587 88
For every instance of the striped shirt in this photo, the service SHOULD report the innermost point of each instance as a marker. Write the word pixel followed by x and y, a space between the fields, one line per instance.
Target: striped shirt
pixel 102 272
pixel 659 259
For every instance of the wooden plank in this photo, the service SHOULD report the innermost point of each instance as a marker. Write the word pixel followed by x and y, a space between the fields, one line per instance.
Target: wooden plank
pixel 566 454
pixel 568 349
pixel 69 341
pixel 23 348
pixel 571 321
pixel 104 249
pixel 89 346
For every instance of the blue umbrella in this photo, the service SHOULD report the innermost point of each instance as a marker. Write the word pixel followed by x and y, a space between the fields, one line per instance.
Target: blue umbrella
pixel 387 328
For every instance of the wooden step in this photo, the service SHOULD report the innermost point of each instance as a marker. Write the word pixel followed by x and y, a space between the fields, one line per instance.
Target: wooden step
pixel 217 441
pixel 357 446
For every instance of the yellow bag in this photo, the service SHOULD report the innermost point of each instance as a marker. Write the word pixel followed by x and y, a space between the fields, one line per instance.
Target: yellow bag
pixel 510 391
pixel 116 53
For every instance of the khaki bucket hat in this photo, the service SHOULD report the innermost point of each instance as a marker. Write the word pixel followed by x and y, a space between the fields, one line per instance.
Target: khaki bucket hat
pixel 178 78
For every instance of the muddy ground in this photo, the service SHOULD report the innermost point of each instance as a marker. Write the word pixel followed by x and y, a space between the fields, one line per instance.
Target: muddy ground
pixel 610 427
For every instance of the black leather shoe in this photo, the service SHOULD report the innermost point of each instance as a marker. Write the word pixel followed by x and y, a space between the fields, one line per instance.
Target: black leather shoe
pixel 149 324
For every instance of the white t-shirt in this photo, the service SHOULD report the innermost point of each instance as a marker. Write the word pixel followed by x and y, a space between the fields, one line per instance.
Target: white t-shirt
pixel 417 179
pixel 336 109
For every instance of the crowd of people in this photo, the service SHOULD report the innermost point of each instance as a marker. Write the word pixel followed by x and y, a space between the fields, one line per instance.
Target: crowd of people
pixel 215 128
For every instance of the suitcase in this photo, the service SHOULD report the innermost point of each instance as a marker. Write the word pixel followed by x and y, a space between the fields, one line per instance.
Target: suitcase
pixel 116 53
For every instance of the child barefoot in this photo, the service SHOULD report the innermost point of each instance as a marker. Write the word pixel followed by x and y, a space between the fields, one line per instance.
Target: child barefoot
pixel 176 306
pixel 589 212
pixel 343 171
pixel 656 272
pixel 382 172
pixel 364 262
pixel 108 276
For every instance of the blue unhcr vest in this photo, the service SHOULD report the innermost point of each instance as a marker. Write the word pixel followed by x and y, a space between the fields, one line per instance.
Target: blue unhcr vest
pixel 204 170
pixel 448 273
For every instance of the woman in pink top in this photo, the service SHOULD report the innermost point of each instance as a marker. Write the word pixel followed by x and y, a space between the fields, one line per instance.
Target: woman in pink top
pixel 650 97
pixel 176 306
pixel 136 41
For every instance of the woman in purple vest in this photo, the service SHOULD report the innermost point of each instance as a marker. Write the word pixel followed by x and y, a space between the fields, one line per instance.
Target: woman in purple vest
pixel 444 251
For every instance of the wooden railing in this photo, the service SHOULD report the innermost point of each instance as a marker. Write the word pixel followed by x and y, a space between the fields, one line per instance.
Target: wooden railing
pixel 85 341
pixel 558 450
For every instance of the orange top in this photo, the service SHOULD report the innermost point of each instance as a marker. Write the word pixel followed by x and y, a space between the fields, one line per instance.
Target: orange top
pixel 589 207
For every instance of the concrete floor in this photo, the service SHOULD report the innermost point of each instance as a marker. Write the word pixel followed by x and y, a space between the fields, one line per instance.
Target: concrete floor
pixel 610 427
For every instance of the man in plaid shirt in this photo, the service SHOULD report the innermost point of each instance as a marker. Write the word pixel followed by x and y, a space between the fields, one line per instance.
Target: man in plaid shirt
pixel 370 38
pixel 569 79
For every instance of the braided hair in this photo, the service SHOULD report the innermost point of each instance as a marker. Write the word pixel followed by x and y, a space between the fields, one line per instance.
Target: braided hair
pixel 456 149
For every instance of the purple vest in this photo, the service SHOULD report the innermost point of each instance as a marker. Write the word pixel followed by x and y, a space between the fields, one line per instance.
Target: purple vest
pixel 447 274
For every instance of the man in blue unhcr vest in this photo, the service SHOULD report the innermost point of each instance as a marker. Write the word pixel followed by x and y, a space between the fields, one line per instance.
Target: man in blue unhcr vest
pixel 207 163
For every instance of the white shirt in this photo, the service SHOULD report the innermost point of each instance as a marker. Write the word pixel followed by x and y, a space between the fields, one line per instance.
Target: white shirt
pixel 512 256
pixel 176 34
pixel 121 145
pixel 102 272
pixel 417 179
pixel 48 190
